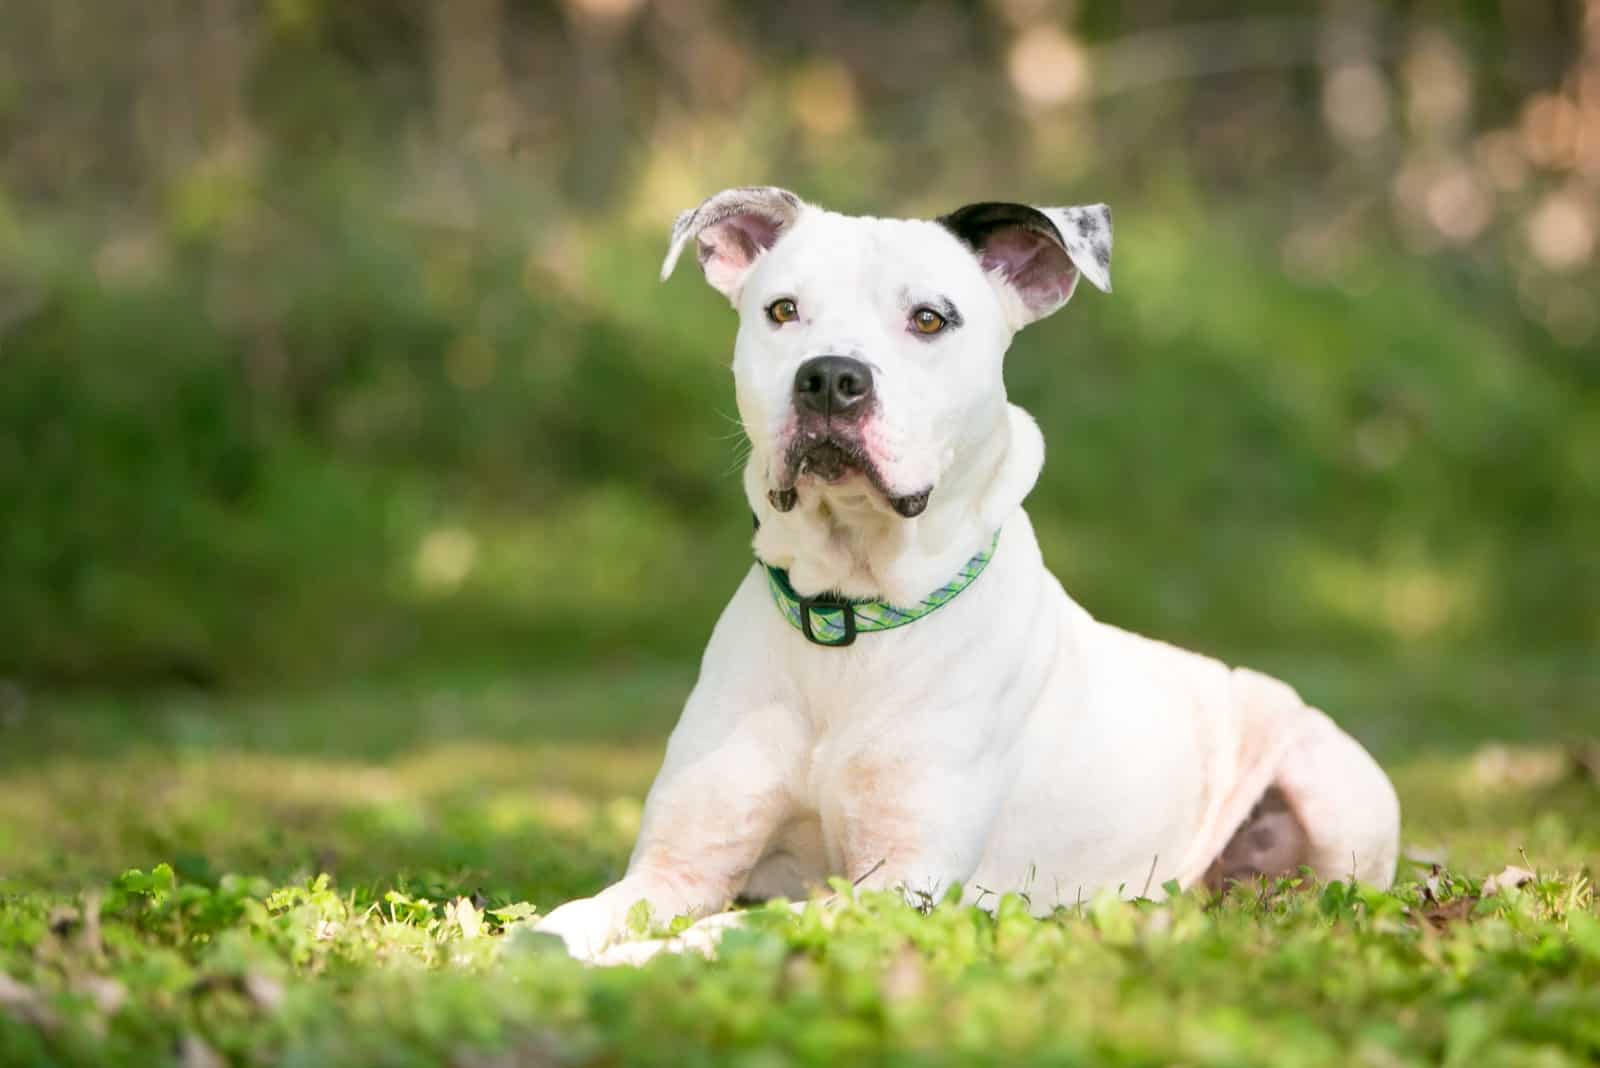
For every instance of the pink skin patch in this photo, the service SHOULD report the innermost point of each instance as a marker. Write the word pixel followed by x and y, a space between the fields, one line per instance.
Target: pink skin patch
pixel 832 453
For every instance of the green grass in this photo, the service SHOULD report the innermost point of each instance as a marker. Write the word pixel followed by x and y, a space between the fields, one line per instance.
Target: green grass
pixel 278 880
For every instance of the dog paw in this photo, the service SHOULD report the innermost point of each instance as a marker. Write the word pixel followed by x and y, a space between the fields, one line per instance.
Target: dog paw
pixel 701 938
pixel 625 954
pixel 586 927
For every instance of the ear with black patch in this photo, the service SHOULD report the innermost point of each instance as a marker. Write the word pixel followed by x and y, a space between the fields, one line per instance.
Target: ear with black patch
pixel 730 232
pixel 1037 253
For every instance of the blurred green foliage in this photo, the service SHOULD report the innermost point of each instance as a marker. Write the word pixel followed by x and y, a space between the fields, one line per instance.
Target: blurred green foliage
pixel 331 351
pixel 364 376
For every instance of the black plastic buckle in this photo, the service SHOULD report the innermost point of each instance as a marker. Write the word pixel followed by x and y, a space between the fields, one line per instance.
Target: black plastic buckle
pixel 808 604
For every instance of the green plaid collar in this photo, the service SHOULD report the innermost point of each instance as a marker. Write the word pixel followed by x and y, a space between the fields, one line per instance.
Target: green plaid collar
pixel 831 620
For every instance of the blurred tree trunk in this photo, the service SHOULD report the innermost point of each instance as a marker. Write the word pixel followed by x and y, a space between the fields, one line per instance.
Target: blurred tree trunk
pixel 164 104
pixel 473 102
pixel 221 69
pixel 190 95
pixel 598 120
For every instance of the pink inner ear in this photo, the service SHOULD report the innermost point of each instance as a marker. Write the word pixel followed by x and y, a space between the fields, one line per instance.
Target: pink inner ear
pixel 1036 267
pixel 727 248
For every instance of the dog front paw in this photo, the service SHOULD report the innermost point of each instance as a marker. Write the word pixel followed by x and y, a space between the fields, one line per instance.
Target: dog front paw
pixel 586 926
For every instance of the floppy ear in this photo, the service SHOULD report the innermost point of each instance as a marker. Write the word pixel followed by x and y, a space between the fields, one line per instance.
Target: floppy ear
pixel 731 230
pixel 1037 253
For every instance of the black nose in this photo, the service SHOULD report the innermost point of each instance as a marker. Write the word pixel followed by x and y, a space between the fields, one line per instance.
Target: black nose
pixel 832 385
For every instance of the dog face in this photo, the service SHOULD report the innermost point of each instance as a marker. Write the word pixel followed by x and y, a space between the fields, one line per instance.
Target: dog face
pixel 869 352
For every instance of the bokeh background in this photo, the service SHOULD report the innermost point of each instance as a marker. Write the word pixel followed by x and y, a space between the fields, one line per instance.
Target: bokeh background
pixel 366 503
pixel 331 346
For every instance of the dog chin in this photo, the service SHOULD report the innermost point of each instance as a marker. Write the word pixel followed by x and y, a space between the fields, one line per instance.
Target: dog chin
pixel 832 462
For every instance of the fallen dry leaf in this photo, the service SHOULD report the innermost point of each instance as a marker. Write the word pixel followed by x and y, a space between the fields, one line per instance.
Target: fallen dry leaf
pixel 265 991
pixel 905 978
pixel 1444 906
pixel 1509 879
pixel 193 1052
pixel 465 915
pixel 1454 911
pixel 24 1003
pixel 107 994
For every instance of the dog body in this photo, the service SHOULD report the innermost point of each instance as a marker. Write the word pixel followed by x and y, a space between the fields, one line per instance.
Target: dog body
pixel 1004 740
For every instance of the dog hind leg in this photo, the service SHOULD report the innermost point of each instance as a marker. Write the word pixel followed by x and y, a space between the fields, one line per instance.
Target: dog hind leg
pixel 1345 802
pixel 1270 842
pixel 1316 797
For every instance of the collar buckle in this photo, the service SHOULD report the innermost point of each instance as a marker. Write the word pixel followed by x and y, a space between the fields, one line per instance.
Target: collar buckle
pixel 827 602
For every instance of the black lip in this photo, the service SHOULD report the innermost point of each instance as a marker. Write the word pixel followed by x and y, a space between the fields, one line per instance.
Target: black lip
pixel 911 505
pixel 831 457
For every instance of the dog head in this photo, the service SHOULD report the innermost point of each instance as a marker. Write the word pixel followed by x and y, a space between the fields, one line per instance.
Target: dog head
pixel 868 373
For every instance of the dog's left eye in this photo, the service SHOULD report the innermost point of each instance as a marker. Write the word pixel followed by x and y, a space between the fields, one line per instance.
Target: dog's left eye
pixel 928 321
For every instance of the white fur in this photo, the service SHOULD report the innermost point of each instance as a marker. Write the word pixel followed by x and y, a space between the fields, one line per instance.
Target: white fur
pixel 1007 742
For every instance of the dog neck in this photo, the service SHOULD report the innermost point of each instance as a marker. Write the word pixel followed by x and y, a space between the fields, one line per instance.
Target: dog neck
pixel 843 539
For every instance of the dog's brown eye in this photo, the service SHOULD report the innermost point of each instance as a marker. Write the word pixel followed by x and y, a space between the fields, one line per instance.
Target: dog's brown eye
pixel 928 321
pixel 783 311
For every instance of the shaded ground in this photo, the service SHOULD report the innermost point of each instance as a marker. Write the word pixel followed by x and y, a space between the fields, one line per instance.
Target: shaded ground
pixel 515 793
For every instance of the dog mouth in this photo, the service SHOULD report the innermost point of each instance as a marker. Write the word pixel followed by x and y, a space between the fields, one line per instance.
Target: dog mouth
pixel 831 459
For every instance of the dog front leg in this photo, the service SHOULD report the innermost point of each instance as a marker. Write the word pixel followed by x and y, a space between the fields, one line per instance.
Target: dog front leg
pixel 914 828
pixel 721 794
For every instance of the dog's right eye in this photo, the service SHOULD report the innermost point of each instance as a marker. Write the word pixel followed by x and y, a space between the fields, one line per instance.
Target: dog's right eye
pixel 928 322
pixel 783 311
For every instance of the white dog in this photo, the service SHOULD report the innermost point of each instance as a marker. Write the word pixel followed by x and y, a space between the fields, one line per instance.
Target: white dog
pixel 899 692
